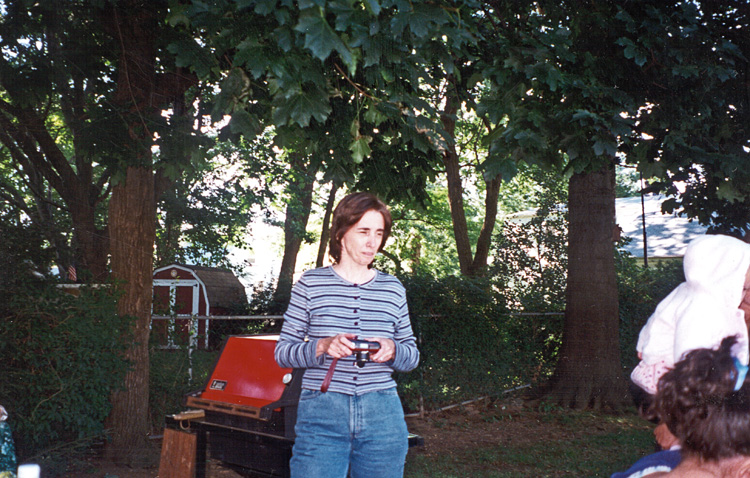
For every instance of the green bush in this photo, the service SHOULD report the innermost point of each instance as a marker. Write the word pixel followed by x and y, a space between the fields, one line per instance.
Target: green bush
pixel 640 291
pixel 464 345
pixel 170 380
pixel 61 359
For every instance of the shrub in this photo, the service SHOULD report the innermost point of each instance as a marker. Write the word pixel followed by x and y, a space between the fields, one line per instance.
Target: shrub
pixel 170 380
pixel 465 349
pixel 61 359
pixel 640 291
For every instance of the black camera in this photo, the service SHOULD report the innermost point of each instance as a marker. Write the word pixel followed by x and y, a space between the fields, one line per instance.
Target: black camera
pixel 362 349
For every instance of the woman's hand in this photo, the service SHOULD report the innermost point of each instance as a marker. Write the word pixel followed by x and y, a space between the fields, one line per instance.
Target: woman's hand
pixel 387 350
pixel 337 346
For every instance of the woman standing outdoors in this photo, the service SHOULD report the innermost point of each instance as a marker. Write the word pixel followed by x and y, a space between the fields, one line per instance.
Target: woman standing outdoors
pixel 349 417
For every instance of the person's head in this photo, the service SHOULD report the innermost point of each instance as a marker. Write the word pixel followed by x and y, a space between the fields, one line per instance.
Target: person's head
pixel 719 265
pixel 698 402
pixel 349 211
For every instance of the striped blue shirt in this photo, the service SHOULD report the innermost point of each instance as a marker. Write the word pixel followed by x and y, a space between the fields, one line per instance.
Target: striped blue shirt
pixel 322 305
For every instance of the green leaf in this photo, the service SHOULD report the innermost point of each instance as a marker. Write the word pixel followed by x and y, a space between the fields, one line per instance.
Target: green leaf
pixel 301 108
pixel 262 7
pixel 728 192
pixel 360 148
pixel 320 38
pixel 499 165
pixel 602 146
pixel 178 17
pixel 189 54
pixel 373 6
pixel 305 4
pixel 245 124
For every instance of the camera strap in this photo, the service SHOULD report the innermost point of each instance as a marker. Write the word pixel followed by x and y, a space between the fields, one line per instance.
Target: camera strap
pixel 329 376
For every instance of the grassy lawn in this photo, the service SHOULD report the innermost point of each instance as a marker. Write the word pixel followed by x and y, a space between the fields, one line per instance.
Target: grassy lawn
pixel 527 443
pixel 494 438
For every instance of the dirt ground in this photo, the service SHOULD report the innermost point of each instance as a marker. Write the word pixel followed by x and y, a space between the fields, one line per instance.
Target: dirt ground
pixel 483 423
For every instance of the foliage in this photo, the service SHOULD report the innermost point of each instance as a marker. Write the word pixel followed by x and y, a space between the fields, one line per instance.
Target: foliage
pixel 421 240
pixel 62 359
pixel 208 205
pixel 530 257
pixel 170 380
pixel 694 145
pixel 641 289
pixel 465 350
pixel 628 183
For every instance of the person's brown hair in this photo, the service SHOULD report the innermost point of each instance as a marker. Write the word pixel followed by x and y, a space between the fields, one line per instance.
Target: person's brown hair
pixel 348 212
pixel 697 401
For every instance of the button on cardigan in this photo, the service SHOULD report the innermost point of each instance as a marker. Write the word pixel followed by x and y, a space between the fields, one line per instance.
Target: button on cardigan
pixel 323 304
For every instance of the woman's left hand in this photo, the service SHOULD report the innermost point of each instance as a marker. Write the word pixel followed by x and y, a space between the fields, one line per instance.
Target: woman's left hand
pixel 387 350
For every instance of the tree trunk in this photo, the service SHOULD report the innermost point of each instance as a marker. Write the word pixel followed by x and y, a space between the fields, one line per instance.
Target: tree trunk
pixel 326 229
pixel 90 243
pixel 132 220
pixel 479 265
pixel 132 224
pixel 455 188
pixel 295 224
pixel 588 373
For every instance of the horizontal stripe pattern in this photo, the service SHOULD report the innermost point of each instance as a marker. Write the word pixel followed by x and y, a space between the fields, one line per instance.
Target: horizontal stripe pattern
pixel 322 305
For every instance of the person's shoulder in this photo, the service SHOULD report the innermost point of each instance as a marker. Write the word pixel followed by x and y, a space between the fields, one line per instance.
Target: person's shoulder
pixel 656 464
pixel 385 279
pixel 312 276
pixel 318 272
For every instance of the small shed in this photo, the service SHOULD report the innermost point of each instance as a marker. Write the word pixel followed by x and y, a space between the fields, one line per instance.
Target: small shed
pixel 185 291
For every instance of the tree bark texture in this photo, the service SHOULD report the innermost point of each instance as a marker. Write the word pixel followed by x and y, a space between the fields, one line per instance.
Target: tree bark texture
pixel 455 188
pixel 295 225
pixel 477 265
pixel 588 373
pixel 132 217
pixel 132 223
pixel 325 232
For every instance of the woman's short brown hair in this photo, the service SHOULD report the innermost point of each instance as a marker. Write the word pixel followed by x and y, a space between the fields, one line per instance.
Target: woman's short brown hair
pixel 698 402
pixel 348 212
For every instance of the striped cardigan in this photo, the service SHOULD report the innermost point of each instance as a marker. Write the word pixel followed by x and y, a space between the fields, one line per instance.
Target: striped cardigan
pixel 322 305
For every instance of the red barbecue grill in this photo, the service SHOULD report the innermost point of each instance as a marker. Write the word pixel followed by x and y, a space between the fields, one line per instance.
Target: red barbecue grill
pixel 246 412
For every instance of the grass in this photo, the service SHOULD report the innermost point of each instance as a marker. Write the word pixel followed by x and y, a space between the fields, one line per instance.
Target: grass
pixel 493 440
pixel 539 444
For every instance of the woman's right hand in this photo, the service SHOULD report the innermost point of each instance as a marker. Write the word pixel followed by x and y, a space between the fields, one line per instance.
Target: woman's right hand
pixel 337 346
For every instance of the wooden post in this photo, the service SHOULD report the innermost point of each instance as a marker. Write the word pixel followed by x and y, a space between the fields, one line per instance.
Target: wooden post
pixel 178 454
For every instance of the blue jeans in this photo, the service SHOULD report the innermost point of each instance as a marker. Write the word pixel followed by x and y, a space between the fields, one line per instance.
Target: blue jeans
pixel 364 434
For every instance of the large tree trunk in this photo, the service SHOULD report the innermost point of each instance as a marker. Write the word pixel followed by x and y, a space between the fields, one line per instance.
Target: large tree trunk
pixel 588 372
pixel 132 225
pixel 132 219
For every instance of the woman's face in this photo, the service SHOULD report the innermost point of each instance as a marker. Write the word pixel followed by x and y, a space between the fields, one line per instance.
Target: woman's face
pixel 363 240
